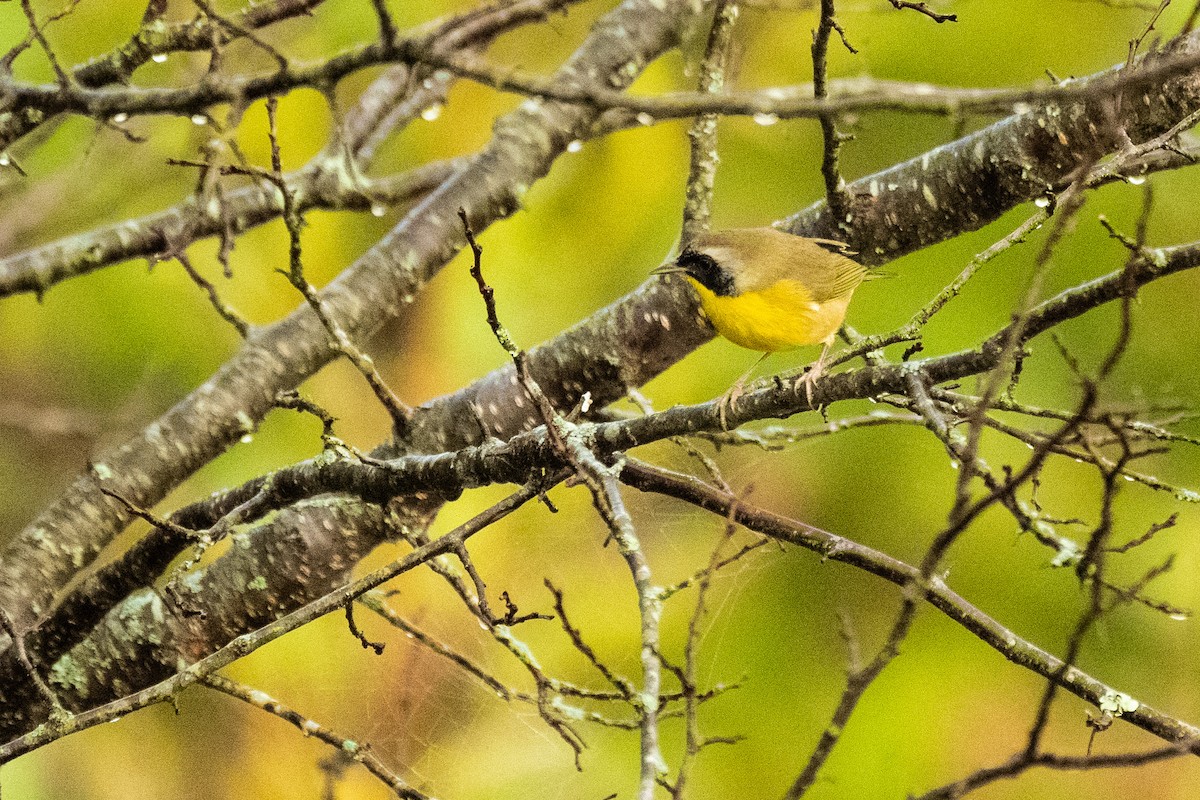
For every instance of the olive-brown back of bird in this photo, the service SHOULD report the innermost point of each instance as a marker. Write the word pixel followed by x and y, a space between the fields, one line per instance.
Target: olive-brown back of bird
pixel 768 290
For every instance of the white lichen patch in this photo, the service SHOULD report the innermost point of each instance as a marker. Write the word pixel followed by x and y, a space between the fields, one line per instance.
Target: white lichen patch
pixel 1118 703
pixel 927 193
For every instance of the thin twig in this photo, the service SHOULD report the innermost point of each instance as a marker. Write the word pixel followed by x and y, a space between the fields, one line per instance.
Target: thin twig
pixel 58 713
pixel 702 134
pixel 357 750
pixel 338 338
pixel 835 186
pixel 601 481
pixel 924 9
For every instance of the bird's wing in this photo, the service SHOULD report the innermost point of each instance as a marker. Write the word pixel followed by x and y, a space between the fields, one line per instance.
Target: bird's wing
pixel 834 275
pixel 847 276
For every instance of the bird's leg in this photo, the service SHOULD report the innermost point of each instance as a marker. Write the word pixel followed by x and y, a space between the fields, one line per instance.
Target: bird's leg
pixel 728 400
pixel 815 372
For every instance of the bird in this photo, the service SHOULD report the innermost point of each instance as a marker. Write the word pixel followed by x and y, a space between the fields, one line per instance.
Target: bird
pixel 767 290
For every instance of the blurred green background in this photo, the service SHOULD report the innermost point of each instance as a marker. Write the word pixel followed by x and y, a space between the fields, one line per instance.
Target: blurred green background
pixel 112 350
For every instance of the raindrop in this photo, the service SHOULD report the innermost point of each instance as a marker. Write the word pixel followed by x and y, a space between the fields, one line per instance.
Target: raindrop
pixel 1136 180
pixel 644 119
pixel 1042 202
pixel 432 112
pixel 247 438
pixel 766 119
pixel 378 210
pixel 575 146
pixel 119 118
pixel 199 119
pixel 158 58
pixel 1180 617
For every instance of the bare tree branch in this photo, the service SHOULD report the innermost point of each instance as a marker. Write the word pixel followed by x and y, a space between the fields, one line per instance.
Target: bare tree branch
pixel 279 357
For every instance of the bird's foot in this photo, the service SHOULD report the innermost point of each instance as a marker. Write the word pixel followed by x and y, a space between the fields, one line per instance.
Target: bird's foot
pixel 814 373
pixel 809 379
pixel 728 401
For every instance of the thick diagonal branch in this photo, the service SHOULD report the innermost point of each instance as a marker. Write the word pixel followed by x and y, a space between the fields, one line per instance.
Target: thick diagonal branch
pixel 377 288
pixel 958 187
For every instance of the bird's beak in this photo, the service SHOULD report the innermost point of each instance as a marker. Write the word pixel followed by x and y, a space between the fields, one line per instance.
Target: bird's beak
pixel 668 269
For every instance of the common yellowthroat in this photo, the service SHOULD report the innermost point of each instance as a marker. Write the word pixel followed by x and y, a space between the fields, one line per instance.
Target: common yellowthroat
pixel 769 291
